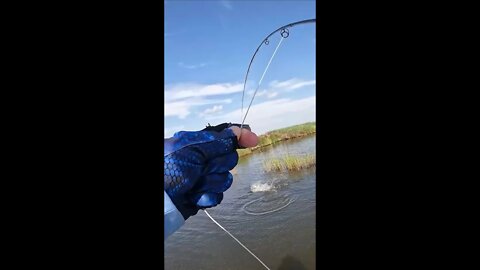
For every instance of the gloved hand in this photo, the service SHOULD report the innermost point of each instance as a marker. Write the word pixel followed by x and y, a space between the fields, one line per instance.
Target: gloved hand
pixel 197 165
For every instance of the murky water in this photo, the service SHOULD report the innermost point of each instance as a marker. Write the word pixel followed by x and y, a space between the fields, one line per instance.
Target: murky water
pixel 273 214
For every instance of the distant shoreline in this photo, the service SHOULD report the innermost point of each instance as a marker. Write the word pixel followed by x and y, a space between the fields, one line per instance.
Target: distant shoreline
pixel 280 135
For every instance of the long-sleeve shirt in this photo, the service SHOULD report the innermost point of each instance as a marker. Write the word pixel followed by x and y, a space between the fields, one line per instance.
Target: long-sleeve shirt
pixel 173 220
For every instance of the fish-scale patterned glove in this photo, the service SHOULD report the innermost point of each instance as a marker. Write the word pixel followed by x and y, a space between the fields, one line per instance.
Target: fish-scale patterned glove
pixel 197 166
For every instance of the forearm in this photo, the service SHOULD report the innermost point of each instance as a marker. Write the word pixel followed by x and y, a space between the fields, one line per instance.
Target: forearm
pixel 173 220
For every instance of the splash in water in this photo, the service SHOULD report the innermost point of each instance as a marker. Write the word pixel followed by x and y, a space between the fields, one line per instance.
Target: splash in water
pixel 261 187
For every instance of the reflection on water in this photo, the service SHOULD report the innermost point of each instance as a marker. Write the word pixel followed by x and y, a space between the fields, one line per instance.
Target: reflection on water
pixel 262 202
pixel 273 214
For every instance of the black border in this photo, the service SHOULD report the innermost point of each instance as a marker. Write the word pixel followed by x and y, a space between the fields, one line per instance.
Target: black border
pixel 93 127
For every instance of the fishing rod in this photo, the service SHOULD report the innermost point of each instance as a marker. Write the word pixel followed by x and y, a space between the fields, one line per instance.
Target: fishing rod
pixel 284 33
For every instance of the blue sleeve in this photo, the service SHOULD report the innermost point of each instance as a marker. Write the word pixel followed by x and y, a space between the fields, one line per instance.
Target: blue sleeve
pixel 173 220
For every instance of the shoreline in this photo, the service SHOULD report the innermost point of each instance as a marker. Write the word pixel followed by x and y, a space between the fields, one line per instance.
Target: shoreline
pixel 280 135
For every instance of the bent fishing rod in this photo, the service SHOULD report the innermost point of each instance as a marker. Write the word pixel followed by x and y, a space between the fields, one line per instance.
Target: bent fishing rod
pixel 284 33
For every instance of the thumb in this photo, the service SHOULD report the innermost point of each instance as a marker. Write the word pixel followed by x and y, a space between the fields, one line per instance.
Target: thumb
pixel 245 137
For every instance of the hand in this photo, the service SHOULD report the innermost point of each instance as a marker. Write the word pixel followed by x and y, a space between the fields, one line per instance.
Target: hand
pixel 197 165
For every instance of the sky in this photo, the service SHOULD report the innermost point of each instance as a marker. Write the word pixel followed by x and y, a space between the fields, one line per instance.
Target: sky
pixel 208 46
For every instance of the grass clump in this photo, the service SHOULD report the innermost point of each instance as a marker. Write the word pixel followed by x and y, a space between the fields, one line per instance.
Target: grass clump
pixel 279 135
pixel 289 163
pixel 273 165
pixel 243 152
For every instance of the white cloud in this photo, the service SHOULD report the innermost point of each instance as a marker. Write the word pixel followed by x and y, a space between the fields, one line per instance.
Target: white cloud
pixel 181 99
pixel 291 84
pixel 181 64
pixel 267 93
pixel 273 114
pixel 213 110
pixel 185 90
pixel 259 93
pixel 272 94
pixel 182 108
pixel 168 132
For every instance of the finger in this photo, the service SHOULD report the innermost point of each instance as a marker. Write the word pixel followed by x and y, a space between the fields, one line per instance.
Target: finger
pixel 246 137
pixel 217 183
pixel 221 164
pixel 207 200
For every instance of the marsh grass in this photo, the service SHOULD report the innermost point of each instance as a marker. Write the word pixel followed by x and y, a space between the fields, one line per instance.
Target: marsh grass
pixel 289 163
pixel 243 152
pixel 279 135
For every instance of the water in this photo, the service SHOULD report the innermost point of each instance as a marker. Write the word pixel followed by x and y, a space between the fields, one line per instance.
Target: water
pixel 273 214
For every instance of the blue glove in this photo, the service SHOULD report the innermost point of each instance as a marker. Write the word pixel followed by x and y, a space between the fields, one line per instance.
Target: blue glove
pixel 196 168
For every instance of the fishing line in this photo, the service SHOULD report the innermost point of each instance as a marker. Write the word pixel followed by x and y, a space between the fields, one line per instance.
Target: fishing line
pixel 243 121
pixel 234 238
pixel 284 34
pixel 259 83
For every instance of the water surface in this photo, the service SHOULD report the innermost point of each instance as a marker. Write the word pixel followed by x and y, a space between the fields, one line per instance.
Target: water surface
pixel 273 214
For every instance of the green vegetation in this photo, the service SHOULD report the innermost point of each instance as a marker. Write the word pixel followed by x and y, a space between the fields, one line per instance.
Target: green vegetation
pixel 279 135
pixel 289 163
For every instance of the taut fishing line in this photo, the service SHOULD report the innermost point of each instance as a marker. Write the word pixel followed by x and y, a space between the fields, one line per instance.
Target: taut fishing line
pixel 234 238
pixel 260 82
pixel 218 224
pixel 284 34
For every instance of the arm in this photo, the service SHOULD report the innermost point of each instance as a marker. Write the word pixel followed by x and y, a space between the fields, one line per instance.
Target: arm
pixel 196 171
pixel 173 220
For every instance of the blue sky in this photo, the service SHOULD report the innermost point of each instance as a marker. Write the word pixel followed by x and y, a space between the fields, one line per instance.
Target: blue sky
pixel 208 45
